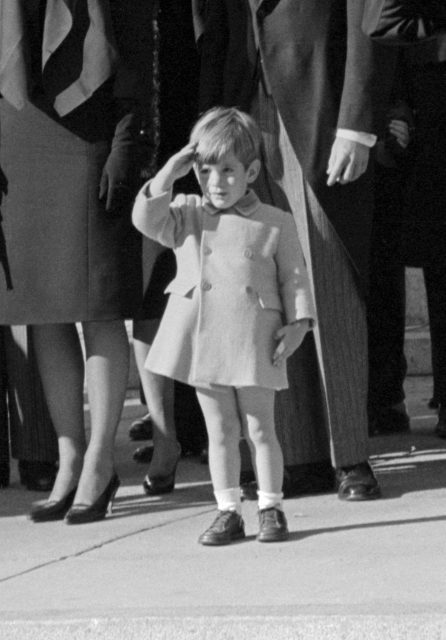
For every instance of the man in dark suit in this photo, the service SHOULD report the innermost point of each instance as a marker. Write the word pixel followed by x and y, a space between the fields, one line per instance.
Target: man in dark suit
pixel 304 69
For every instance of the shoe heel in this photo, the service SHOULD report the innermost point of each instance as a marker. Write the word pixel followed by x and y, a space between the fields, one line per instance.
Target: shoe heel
pixel 159 485
pixel 80 513
pixel 112 498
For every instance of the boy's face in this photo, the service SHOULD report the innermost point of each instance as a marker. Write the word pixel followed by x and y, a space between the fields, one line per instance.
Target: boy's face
pixel 225 182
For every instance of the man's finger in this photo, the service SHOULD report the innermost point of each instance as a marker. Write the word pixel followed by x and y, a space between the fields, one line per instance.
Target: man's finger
pixel 335 174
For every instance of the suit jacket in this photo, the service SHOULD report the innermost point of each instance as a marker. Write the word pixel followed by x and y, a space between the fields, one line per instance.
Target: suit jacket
pixel 240 275
pixel 320 70
pixel 404 21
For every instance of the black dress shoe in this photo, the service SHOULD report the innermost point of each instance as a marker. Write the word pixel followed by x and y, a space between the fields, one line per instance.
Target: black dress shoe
pixel 4 475
pixel 273 525
pixel 227 527
pixel 357 482
pixel 83 513
pixel 37 476
pixel 143 455
pixel 52 510
pixel 388 421
pixel 141 429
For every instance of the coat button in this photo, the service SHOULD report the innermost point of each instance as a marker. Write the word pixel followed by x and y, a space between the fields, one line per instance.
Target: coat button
pixel 207 251
pixel 205 285
pixel 247 253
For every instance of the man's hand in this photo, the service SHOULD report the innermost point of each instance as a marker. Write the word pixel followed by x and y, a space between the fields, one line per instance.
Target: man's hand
pixel 348 160
pixel 290 336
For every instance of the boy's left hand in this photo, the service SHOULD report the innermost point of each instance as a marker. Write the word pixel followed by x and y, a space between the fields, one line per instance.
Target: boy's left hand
pixel 291 337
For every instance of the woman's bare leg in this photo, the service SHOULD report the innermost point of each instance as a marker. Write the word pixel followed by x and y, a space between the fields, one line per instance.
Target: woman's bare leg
pixel 107 370
pixel 61 366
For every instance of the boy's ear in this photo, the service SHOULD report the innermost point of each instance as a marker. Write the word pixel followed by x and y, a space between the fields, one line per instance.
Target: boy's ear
pixel 253 170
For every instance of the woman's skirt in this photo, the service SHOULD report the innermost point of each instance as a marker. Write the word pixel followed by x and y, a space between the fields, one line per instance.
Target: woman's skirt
pixel 63 257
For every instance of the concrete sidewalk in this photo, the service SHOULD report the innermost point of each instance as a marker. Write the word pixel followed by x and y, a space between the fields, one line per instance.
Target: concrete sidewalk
pixel 352 571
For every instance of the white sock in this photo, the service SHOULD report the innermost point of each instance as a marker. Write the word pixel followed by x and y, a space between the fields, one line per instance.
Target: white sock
pixel 229 500
pixel 268 500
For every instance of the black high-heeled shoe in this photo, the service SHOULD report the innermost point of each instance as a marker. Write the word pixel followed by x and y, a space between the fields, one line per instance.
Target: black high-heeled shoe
pixel 159 485
pixel 52 509
pixel 83 513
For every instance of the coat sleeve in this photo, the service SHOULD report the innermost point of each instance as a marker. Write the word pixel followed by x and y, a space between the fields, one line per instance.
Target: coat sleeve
pixel 356 107
pixel 162 220
pixel 403 21
pixel 294 283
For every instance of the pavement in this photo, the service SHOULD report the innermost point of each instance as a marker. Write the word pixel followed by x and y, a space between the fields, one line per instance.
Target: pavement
pixel 350 570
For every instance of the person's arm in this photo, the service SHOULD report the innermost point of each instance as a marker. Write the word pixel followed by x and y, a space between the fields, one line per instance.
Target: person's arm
pixel 154 215
pixel 350 152
pixel 403 21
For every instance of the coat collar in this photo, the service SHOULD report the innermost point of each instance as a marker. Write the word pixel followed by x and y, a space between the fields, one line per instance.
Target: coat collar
pixel 246 206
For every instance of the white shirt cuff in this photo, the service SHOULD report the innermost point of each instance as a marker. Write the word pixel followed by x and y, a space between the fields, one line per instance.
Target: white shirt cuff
pixel 368 139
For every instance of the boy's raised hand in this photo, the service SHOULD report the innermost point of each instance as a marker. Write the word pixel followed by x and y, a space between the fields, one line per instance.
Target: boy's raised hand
pixel 290 336
pixel 176 167
pixel 181 162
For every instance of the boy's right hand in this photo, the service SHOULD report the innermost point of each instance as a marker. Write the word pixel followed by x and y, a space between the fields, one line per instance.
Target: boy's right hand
pixel 176 167
pixel 181 162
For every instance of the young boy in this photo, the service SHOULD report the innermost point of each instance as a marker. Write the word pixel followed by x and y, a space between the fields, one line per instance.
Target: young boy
pixel 239 306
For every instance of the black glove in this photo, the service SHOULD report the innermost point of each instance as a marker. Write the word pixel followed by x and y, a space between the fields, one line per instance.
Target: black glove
pixel 120 173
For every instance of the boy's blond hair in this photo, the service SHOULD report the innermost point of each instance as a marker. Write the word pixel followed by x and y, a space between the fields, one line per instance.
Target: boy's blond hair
pixel 224 130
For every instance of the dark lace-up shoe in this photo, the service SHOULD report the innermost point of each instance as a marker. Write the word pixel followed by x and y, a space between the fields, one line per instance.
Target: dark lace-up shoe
pixel 227 526
pixel 273 525
pixel 357 483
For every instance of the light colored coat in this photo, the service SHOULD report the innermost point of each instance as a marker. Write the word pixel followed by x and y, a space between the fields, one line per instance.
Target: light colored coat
pixel 240 277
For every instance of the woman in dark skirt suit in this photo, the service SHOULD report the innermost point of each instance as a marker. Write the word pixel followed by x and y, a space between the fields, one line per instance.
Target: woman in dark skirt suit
pixel 73 74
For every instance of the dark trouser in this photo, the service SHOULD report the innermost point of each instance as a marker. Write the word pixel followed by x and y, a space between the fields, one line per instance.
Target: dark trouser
pixel 386 300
